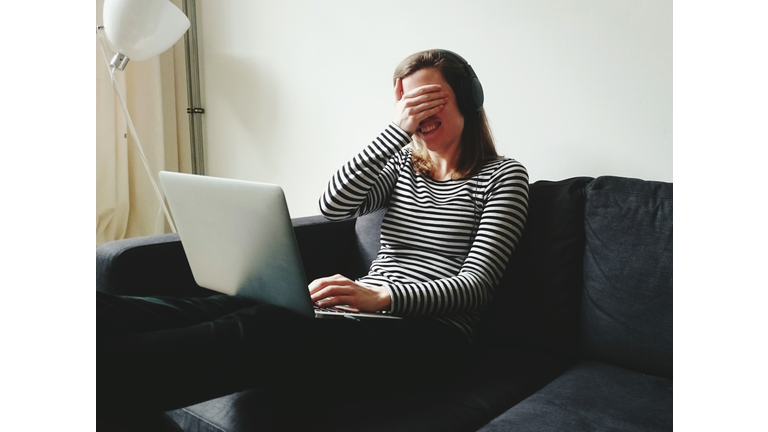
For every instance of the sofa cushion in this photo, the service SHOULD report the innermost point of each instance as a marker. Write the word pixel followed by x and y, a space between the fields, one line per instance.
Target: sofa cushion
pixel 537 301
pixel 492 382
pixel 626 315
pixel 593 396
pixel 327 247
pixel 144 266
pixel 368 230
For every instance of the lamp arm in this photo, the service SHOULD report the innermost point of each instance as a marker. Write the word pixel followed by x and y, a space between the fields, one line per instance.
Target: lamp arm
pixel 135 135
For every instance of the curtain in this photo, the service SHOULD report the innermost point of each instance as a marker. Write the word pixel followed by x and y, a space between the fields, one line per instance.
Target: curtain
pixel 126 205
pixel 112 202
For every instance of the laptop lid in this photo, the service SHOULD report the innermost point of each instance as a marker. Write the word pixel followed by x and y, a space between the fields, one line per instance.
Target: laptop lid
pixel 238 238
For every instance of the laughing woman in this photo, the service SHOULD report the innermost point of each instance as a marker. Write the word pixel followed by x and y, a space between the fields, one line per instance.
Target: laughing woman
pixel 455 209
pixel 455 212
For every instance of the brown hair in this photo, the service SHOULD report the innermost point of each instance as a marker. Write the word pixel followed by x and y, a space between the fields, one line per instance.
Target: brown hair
pixel 476 140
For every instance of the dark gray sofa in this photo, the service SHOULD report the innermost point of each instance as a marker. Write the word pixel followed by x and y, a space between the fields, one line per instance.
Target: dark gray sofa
pixel 578 338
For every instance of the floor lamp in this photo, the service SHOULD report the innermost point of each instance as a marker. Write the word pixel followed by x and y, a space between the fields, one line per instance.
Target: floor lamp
pixel 138 30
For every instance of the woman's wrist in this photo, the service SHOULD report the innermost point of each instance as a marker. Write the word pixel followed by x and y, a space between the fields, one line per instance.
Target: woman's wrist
pixel 401 129
pixel 389 307
pixel 384 301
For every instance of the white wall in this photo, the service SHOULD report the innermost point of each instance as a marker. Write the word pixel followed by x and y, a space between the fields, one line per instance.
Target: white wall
pixel 293 89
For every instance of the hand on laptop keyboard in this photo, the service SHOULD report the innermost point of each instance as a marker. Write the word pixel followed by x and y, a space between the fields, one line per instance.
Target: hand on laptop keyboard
pixel 339 291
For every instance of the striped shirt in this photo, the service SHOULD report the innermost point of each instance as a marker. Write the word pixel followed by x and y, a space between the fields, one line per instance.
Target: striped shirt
pixel 444 244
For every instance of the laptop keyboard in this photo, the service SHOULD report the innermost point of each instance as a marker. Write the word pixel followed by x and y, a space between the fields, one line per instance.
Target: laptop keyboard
pixel 332 309
pixel 345 312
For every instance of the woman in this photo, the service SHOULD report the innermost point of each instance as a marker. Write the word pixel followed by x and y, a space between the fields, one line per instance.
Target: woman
pixel 455 211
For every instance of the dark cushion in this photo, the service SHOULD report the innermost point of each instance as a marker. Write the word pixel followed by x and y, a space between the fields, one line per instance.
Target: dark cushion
pixel 135 422
pixel 593 396
pixel 368 229
pixel 492 382
pixel 537 301
pixel 327 248
pixel 146 266
pixel 627 300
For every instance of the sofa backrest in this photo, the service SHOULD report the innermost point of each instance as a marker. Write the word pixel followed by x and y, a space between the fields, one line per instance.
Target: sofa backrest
pixel 536 304
pixel 626 308
pixel 328 247
pixel 368 231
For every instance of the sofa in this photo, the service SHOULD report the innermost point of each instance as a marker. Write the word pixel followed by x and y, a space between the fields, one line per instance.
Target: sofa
pixel 577 338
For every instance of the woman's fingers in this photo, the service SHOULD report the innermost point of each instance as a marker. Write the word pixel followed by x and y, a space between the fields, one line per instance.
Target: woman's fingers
pixel 424 106
pixel 321 283
pixel 430 88
pixel 347 308
pixel 417 105
pixel 338 290
pixel 332 286
pixel 335 301
pixel 430 112
pixel 332 291
pixel 417 115
pixel 424 101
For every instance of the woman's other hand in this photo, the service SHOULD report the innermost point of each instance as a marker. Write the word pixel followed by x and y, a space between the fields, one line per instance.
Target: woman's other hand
pixel 417 105
pixel 338 290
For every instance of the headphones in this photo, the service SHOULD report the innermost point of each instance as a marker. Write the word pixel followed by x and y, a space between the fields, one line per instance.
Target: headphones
pixel 470 95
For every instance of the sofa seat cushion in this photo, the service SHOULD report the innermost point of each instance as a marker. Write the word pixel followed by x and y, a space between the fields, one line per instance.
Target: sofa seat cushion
pixel 593 396
pixel 492 382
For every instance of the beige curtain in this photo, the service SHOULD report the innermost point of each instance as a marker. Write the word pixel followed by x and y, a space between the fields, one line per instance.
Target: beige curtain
pixel 112 202
pixel 155 93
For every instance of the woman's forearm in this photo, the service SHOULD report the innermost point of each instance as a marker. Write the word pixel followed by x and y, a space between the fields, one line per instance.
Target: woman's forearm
pixel 364 184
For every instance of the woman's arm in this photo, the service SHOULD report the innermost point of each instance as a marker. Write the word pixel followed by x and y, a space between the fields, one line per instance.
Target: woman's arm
pixel 365 183
pixel 500 227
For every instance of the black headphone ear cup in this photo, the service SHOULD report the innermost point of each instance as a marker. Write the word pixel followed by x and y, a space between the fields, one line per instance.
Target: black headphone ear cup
pixel 477 94
pixel 471 97
pixel 465 100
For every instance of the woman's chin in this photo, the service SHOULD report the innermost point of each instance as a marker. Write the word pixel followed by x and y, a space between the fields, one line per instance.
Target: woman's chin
pixel 429 139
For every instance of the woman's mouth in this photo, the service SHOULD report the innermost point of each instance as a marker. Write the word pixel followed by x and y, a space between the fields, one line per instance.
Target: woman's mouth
pixel 428 128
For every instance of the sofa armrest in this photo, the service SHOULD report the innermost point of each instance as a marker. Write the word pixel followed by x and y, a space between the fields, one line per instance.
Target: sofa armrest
pixel 157 265
pixel 144 266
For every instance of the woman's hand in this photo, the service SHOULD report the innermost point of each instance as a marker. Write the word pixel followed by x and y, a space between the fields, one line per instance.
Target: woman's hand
pixel 338 290
pixel 416 105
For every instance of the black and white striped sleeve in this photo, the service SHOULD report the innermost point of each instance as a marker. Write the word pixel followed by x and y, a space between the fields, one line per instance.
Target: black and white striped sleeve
pixel 365 183
pixel 501 224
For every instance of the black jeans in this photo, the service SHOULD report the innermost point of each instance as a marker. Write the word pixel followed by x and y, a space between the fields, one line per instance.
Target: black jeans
pixel 157 354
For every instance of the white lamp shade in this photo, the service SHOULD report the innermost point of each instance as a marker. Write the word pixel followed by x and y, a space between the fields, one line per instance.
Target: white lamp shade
pixel 141 29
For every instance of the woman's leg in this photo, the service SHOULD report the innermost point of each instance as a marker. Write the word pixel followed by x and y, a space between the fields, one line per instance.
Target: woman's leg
pixel 127 314
pixel 181 361
pixel 390 353
pixel 184 360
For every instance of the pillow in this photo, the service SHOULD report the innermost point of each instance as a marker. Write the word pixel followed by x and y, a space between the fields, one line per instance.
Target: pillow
pixel 627 301
pixel 537 301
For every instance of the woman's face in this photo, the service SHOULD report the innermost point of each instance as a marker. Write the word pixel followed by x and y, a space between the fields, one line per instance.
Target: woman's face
pixel 441 132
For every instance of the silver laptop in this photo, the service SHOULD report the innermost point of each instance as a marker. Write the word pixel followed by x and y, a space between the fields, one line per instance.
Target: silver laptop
pixel 239 240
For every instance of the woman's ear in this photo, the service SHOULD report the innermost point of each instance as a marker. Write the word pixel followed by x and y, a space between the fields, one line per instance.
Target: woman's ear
pixel 398 89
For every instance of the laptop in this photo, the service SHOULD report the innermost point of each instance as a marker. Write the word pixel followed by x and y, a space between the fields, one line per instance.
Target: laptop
pixel 239 240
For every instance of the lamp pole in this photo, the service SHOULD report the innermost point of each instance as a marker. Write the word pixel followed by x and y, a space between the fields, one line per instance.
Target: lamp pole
pixel 195 109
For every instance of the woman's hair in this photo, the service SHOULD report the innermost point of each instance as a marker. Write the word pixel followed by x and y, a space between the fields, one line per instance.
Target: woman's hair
pixel 476 140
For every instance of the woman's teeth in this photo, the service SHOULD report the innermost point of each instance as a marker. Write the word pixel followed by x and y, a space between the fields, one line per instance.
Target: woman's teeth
pixel 429 127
